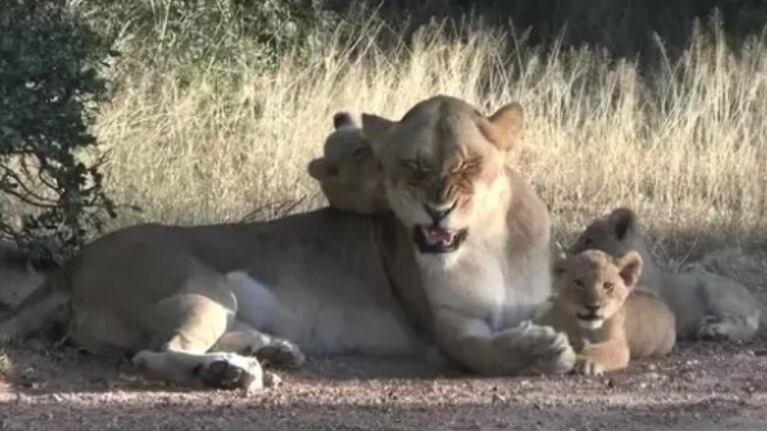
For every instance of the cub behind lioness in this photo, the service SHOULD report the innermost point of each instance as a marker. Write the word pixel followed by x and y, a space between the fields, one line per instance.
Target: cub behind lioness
pixel 349 175
pixel 706 305
pixel 607 321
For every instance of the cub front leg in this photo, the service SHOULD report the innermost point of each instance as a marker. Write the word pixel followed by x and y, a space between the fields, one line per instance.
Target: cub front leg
pixel 527 348
pixel 597 358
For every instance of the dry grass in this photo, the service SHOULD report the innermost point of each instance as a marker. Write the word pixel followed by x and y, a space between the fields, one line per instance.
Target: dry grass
pixel 685 143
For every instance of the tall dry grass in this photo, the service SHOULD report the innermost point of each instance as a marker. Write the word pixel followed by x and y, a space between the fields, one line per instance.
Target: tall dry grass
pixel 684 143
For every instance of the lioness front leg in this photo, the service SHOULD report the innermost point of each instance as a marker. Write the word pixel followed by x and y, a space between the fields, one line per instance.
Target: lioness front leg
pixel 527 348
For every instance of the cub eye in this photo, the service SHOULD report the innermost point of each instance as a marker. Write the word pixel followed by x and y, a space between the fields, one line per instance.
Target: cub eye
pixel 608 287
pixel 417 171
pixel 579 283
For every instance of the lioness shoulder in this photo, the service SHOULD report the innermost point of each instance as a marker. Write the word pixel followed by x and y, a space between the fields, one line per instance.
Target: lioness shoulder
pixel 349 175
pixel 607 321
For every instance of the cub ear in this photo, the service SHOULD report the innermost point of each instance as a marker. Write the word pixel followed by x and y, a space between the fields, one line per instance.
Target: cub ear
pixel 559 265
pixel 376 130
pixel 508 122
pixel 630 268
pixel 318 169
pixel 623 221
pixel 342 120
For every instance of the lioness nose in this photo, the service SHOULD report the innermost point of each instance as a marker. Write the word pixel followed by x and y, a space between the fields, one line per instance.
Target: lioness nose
pixel 438 214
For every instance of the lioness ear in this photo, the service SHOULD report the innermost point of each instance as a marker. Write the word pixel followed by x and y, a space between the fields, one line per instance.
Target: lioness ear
pixel 508 122
pixel 630 268
pixel 376 130
pixel 624 221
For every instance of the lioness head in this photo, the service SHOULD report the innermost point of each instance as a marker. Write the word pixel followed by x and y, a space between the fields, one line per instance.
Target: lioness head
pixel 616 233
pixel 349 174
pixel 592 286
pixel 443 168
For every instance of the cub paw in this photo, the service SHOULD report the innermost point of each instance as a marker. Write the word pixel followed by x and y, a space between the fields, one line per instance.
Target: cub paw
pixel 588 367
pixel 229 371
pixel 281 354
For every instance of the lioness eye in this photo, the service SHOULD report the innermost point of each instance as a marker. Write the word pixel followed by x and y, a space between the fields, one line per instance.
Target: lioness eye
pixel 609 287
pixel 579 283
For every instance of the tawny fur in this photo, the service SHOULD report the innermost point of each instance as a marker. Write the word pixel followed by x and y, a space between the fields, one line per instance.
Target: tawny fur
pixel 705 305
pixel 330 282
pixel 606 319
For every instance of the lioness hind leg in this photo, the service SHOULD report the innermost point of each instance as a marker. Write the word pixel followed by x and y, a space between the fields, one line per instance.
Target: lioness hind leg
pixel 186 328
pixel 215 370
pixel 274 351
pixel 727 327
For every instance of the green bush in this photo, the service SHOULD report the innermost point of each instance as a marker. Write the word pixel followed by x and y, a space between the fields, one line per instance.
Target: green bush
pixel 51 194
pixel 191 34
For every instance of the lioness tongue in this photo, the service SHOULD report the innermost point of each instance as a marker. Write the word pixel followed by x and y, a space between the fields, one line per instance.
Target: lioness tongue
pixel 436 235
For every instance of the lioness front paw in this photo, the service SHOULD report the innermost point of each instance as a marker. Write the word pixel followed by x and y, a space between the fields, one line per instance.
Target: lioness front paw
pixel 551 349
pixel 230 371
pixel 588 367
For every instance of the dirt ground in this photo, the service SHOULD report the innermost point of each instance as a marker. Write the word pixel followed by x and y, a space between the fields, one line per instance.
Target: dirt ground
pixel 701 386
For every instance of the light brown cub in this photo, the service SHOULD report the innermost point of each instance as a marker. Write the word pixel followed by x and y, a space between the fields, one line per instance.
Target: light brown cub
pixel 706 305
pixel 606 319
pixel 349 174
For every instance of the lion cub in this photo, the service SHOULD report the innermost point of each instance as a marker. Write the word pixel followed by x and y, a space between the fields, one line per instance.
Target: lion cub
pixel 607 321
pixel 349 174
pixel 706 305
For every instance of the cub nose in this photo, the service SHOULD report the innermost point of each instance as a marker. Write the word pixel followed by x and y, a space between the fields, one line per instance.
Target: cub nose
pixel 592 307
pixel 438 214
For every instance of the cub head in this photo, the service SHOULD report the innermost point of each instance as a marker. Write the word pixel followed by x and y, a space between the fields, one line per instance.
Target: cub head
pixel 592 286
pixel 616 233
pixel 349 175
pixel 443 165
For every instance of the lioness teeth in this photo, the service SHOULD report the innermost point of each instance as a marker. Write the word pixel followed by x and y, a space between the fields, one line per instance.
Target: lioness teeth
pixel 435 235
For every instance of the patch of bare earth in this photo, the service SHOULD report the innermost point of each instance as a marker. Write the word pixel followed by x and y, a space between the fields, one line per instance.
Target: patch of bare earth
pixel 701 386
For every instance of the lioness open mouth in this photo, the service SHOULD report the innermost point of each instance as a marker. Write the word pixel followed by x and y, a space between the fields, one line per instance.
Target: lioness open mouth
pixel 435 239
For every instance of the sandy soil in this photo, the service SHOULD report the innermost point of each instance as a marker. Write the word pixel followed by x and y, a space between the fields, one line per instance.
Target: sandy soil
pixel 701 386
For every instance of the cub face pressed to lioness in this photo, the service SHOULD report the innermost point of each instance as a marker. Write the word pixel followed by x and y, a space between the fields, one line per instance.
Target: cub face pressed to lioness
pixel 706 305
pixel 607 320
pixel 349 175
pixel 462 263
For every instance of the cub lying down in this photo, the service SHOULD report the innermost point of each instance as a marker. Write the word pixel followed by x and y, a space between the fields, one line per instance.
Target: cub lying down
pixel 349 175
pixel 706 305
pixel 607 321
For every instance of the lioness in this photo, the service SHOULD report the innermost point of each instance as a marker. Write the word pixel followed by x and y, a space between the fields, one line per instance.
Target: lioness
pixel 348 173
pixel 607 320
pixel 706 305
pixel 463 262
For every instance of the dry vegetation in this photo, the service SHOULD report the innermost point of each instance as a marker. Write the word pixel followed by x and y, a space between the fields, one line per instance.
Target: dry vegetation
pixel 685 141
